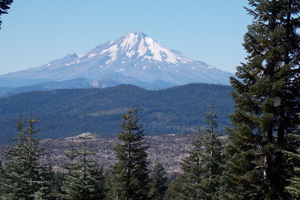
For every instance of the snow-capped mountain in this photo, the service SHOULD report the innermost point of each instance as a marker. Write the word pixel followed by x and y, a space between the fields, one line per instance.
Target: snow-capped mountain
pixel 132 59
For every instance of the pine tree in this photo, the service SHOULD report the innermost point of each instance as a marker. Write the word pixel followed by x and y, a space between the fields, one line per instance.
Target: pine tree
pixel 4 6
pixel 38 172
pixel 266 95
pixel 84 180
pixel 188 185
pixel 293 186
pixel 130 172
pixel 1 178
pixel 50 176
pixel 293 157
pixel 202 168
pixel 24 175
pixel 70 186
pixel 158 183
pixel 212 161
pixel 57 178
pixel 92 179
pixel 109 182
pixel 241 178
pixel 16 175
pixel 173 188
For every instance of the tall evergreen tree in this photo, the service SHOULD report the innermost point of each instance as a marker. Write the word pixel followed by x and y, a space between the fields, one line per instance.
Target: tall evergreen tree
pixel 293 157
pixel 84 180
pixel 158 183
pixel 70 186
pixel 92 179
pixel 38 172
pixel 109 183
pixel 188 184
pixel 24 175
pixel 1 178
pixel 173 188
pixel 202 168
pixel 212 161
pixel 57 178
pixel 266 95
pixel 130 172
pixel 4 6
pixel 16 176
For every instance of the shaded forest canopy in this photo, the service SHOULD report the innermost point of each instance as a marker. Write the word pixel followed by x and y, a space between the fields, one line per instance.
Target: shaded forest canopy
pixel 63 113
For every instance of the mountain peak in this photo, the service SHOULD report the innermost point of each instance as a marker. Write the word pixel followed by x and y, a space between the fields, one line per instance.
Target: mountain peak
pixel 139 33
pixel 134 58
pixel 141 46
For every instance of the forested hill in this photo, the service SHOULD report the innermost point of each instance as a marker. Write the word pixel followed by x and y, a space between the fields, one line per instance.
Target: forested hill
pixel 62 113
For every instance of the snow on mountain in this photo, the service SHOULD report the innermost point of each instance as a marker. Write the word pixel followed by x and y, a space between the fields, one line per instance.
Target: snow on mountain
pixel 133 59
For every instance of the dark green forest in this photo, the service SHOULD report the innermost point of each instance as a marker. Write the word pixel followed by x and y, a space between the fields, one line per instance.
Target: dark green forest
pixel 63 113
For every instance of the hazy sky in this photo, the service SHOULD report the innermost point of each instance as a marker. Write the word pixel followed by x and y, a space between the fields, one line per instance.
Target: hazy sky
pixel 35 32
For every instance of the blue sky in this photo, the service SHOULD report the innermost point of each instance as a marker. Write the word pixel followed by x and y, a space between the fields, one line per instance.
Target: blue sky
pixel 35 32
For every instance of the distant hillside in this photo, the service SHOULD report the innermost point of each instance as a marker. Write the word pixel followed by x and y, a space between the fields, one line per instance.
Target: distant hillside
pixel 63 113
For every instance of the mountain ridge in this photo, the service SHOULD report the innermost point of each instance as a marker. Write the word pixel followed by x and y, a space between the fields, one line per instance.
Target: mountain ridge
pixel 64 112
pixel 132 59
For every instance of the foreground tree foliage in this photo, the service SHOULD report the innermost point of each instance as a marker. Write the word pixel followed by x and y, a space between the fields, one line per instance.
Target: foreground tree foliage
pixel 84 180
pixel 293 185
pixel 25 177
pixel 158 183
pixel 293 157
pixel 173 188
pixel 1 178
pixel 130 173
pixel 266 95
pixel 202 168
